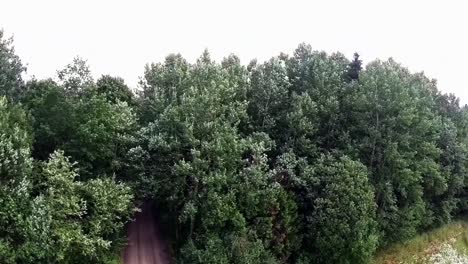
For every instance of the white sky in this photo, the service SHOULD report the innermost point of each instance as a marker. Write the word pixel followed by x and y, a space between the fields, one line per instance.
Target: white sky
pixel 120 37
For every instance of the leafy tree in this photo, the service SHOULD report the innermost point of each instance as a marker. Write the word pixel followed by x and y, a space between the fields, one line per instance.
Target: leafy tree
pixel 269 99
pixel 298 100
pixel 317 87
pixel 11 69
pixel 237 75
pixel 72 221
pixel 453 160
pixel 76 77
pixel 213 182
pixel 307 158
pixel 395 133
pixel 162 81
pixel 234 248
pixel 337 205
pixel 114 89
pixel 47 216
pixel 390 120
pixel 95 132
pixel 53 116
pixel 342 225
pixel 15 169
pixel 102 136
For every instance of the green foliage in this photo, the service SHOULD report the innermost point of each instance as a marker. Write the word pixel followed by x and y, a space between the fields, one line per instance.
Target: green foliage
pixel 234 248
pixel 76 77
pixel 341 226
pixel 306 158
pixel 15 169
pixel 101 136
pixel 54 116
pixel 399 172
pixel 396 135
pixel 163 83
pixel 208 177
pixel 94 131
pixel 47 216
pixel 11 68
pixel 114 89
pixel 354 68
pixel 269 98
pixel 14 142
pixel 337 208
pixel 73 221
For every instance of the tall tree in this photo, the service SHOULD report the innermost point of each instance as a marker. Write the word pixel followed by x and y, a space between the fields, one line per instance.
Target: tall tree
pixel 354 68
pixel 11 69
pixel 76 77
pixel 162 81
pixel 337 208
pixel 53 116
pixel 395 133
pixel 94 131
pixel 15 169
pixel 213 182
pixel 114 89
pixel 46 215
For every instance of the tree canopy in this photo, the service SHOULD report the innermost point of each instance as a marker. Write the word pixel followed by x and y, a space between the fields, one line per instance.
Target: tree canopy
pixel 303 158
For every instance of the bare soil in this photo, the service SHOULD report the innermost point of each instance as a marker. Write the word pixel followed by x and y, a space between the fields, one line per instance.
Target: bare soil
pixel 145 242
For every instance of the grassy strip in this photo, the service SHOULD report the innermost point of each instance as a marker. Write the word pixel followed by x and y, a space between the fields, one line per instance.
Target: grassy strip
pixel 418 249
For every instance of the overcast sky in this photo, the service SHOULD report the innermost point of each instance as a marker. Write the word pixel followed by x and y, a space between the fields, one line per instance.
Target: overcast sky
pixel 120 37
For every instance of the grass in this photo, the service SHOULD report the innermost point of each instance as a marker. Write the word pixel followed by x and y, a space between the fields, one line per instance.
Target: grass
pixel 418 249
pixel 462 243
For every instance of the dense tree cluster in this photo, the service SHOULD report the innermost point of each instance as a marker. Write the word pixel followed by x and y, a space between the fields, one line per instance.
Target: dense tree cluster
pixel 61 147
pixel 309 158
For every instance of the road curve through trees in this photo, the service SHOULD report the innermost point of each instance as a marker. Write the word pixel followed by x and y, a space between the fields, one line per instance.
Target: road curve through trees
pixel 145 242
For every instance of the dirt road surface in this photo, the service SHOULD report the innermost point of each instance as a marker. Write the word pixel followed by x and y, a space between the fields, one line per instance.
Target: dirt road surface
pixel 145 242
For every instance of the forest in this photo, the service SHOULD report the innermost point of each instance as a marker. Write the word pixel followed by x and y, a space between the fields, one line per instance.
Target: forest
pixel 307 157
